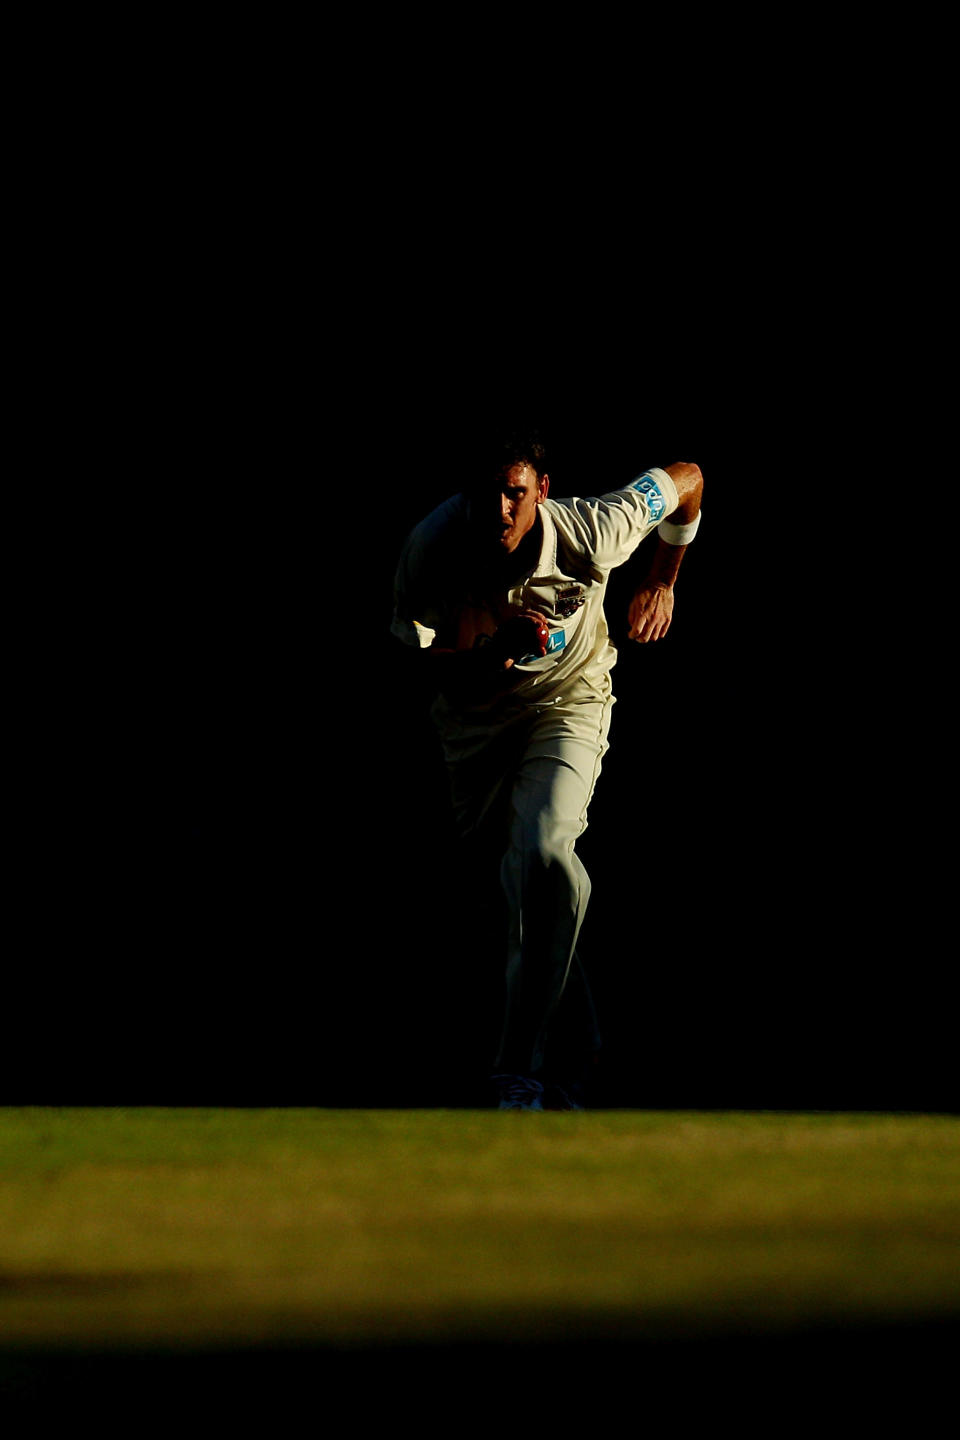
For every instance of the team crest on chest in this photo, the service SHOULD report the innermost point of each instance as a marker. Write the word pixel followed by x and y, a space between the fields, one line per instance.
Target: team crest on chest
pixel 569 600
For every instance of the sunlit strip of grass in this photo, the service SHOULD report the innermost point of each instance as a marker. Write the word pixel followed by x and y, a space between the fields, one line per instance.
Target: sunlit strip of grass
pixel 206 1225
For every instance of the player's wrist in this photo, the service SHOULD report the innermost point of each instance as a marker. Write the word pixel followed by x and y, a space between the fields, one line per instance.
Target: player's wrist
pixel 652 587
pixel 491 655
pixel 520 636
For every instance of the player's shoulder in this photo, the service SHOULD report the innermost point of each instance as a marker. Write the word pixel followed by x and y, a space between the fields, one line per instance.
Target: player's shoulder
pixel 654 485
pixel 438 524
pixel 562 508
pixel 650 495
pixel 576 515
pixel 433 543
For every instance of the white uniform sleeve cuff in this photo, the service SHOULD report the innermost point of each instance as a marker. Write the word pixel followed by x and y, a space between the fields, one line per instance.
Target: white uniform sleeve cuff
pixel 412 633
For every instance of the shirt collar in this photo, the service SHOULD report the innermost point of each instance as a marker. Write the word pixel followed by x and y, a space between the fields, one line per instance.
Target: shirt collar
pixel 547 564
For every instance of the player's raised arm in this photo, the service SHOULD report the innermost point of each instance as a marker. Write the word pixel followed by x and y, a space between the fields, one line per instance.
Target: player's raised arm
pixel 651 608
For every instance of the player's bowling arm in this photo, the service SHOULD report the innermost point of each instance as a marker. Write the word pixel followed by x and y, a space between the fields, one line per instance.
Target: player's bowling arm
pixel 479 673
pixel 525 633
pixel 467 676
pixel 461 670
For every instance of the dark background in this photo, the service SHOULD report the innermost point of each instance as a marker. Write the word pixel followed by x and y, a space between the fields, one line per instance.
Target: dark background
pixel 268 288
pixel 233 867
pixel 246 892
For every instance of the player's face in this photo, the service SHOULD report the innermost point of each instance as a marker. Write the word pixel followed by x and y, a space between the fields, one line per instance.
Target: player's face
pixel 520 494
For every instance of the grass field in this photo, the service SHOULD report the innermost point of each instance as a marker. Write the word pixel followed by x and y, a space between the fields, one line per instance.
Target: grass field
pixel 206 1229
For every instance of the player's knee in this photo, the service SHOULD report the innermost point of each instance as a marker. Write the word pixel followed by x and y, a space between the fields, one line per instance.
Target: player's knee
pixel 544 844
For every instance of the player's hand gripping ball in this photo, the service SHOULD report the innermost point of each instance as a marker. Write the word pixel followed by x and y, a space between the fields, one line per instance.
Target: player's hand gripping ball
pixel 522 635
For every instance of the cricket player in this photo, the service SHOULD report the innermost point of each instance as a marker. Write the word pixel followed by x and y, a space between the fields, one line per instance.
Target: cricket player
pixel 500 592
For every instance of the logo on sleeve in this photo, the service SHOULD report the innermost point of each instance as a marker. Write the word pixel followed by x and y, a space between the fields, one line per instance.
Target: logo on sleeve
pixel 651 493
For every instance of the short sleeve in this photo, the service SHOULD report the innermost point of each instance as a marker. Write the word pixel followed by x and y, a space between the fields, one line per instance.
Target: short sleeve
pixel 609 528
pixel 411 613
pixel 422 583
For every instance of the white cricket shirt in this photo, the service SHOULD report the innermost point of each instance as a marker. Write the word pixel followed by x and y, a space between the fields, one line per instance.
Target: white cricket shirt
pixel 438 600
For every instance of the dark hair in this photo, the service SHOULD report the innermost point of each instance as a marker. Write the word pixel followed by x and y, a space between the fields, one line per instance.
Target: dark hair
pixel 497 453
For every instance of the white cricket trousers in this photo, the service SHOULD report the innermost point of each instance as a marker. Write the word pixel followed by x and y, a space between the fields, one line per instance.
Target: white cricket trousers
pixel 532 772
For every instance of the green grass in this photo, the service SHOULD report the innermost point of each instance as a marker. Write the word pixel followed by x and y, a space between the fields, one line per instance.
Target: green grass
pixel 222 1227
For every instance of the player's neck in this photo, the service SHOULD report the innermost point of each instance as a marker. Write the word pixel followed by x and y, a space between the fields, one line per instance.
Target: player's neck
pixel 527 554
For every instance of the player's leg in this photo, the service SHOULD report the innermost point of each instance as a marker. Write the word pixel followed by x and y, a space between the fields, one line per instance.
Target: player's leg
pixel 546 885
pixel 574 1042
pixel 481 761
